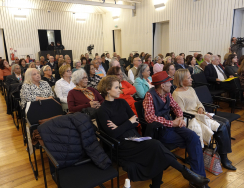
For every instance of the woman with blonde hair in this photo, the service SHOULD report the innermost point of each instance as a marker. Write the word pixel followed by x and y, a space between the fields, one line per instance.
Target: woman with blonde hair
pixel 33 88
pixel 65 84
pixel 167 60
pixel 203 124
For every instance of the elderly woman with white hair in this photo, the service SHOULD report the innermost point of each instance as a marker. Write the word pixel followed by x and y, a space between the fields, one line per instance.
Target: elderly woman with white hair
pixel 158 67
pixel 33 88
pixel 46 74
pixel 143 81
pixel 82 96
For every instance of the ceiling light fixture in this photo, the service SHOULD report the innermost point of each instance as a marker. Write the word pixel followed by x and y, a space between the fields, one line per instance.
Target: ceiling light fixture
pixel 161 5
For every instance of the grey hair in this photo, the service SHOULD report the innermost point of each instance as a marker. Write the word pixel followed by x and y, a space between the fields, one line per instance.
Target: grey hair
pixel 43 69
pixel 13 67
pixel 156 58
pixel 77 62
pixel 140 70
pixel 213 57
pixel 77 76
pixel 111 64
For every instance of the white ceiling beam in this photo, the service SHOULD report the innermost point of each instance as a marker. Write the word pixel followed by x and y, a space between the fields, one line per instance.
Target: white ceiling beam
pixel 93 3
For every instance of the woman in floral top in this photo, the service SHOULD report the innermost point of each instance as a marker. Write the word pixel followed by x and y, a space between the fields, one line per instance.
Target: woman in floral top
pixel 34 88
pixel 93 79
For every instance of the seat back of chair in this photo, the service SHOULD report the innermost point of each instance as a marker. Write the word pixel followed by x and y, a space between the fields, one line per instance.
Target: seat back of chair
pixel 199 78
pixel 140 113
pixel 43 109
pixel 204 94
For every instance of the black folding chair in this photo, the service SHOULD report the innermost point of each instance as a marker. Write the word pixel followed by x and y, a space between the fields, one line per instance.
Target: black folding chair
pixel 144 124
pixel 207 100
pixel 83 173
pixel 39 110
pixel 200 80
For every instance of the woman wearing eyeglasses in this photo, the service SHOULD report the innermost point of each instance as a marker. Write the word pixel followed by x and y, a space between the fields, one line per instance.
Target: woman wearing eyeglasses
pixel 82 96
pixel 46 73
pixel 65 84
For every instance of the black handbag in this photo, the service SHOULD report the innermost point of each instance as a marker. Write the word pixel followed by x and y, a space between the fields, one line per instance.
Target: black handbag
pixel 90 112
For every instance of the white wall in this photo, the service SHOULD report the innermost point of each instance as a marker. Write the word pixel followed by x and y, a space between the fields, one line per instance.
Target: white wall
pixel 2 50
pixel 76 36
pixel 204 25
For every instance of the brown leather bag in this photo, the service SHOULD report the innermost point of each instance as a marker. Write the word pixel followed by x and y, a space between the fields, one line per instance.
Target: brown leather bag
pixel 44 120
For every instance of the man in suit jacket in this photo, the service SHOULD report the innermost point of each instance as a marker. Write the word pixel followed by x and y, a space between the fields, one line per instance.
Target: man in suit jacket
pixel 105 63
pixel 181 65
pixel 206 61
pixel 16 76
pixel 52 64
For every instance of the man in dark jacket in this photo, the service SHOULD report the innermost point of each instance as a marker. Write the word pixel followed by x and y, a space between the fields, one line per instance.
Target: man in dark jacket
pixel 16 76
pixel 181 65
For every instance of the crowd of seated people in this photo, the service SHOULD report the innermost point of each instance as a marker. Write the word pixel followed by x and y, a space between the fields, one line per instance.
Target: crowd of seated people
pixel 111 87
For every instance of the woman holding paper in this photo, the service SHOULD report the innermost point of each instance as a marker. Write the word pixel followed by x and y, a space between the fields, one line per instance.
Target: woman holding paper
pixel 141 160
pixel 203 124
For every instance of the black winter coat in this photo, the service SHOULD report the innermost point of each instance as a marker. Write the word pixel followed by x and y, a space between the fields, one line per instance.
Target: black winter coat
pixel 71 137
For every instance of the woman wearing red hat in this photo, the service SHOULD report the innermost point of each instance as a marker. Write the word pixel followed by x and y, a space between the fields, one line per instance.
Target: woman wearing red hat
pixel 141 160
pixel 157 105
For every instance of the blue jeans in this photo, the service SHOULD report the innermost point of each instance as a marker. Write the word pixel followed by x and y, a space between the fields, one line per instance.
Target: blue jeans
pixel 186 138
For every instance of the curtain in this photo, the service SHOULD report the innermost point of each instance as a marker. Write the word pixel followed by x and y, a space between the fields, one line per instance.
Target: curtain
pixel 43 40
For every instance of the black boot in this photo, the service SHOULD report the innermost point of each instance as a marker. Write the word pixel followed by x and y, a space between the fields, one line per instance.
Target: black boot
pixel 226 163
pixel 193 177
pixel 155 186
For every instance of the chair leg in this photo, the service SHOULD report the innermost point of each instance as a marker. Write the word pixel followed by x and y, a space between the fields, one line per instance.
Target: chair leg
pixel 43 168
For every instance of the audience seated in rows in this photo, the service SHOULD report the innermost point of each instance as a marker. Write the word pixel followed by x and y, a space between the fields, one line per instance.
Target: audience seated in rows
pixel 33 88
pixel 103 67
pixel 98 71
pixel 23 65
pixel 167 60
pixel 42 61
pixel 231 67
pixel 118 121
pixel 181 65
pixel 105 62
pixel 148 60
pixel 81 96
pixel 77 66
pixel 93 79
pixel 143 81
pixel 127 90
pixel 191 61
pixel 32 65
pixel 46 75
pixel 68 61
pixel 38 65
pixel 83 62
pixel 173 58
pixel 52 64
pixel 142 56
pixel 206 61
pixel 16 61
pixel 5 69
pixel 170 70
pixel 16 76
pixel 130 58
pixel 204 125
pixel 158 66
pixel 199 58
pixel 115 63
pixel 65 84
pixel 133 70
pixel 157 105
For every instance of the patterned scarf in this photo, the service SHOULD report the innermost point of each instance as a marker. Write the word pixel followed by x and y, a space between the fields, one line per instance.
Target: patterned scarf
pixel 88 93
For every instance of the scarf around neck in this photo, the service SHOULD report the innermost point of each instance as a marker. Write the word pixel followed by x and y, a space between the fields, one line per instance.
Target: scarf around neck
pixel 88 93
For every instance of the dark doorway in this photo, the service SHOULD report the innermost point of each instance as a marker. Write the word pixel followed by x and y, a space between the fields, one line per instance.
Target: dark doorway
pixel 43 38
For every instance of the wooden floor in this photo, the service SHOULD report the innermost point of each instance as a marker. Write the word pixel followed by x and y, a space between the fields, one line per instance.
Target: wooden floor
pixel 15 169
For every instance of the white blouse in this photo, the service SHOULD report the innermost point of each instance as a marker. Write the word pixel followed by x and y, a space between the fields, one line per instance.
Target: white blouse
pixel 62 88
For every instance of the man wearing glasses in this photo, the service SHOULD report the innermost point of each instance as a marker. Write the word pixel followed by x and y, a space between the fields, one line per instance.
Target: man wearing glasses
pixel 132 72
pixel 16 61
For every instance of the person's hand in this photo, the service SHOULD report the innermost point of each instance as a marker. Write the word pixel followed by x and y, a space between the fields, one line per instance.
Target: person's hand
pixel 209 116
pixel 134 119
pixel 231 76
pixel 182 123
pixel 178 122
pixel 93 104
pixel 200 110
pixel 218 80
pixel 97 104
pixel 111 125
